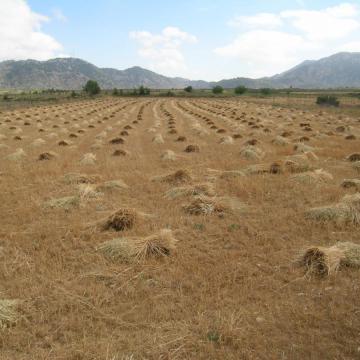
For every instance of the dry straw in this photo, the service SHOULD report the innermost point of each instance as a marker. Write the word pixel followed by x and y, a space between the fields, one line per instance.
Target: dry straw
pixel 206 189
pixel 327 260
pixel 176 178
pixel 134 249
pixel 8 313
pixel 313 177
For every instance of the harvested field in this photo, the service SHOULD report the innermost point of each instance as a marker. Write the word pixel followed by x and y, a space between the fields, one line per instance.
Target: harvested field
pixel 170 228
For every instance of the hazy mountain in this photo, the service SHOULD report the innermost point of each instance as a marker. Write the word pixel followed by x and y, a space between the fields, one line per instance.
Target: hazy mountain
pixel 71 73
pixel 339 70
pixel 336 71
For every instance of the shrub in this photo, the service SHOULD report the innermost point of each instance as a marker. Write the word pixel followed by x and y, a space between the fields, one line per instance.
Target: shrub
pixel 328 100
pixel 239 90
pixel 188 89
pixel 92 87
pixel 115 92
pixel 218 89
pixel 265 91
pixel 73 94
pixel 144 91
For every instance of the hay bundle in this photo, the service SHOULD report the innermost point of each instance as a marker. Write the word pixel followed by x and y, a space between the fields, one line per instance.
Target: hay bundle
pixel 168 155
pixel 351 183
pixel 77 178
pixel 3 146
pixel 8 313
pixel 87 192
pixel 280 141
pixel 47 156
pixel 119 152
pixel 192 148
pixel 353 157
pixel 303 148
pixel 226 140
pixel 88 159
pixel 120 220
pixel 66 203
pixel 112 185
pixel 181 139
pixel 356 166
pixel 129 249
pixel 17 155
pixel 117 140
pixel 313 177
pixel 158 139
pixel 204 205
pixel 326 260
pixel 252 153
pixel 346 211
pixel 38 142
pixel 64 143
pixel 178 177
pixel 206 189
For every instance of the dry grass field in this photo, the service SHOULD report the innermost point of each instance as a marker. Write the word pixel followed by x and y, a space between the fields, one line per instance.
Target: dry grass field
pixel 174 229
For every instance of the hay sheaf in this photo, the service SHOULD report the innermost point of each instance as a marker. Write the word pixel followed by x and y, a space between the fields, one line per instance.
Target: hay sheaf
pixel 280 141
pixel 78 178
pixel 121 220
pixel 136 249
pixel 88 159
pixel 112 185
pixel 47 156
pixel 178 177
pixel 169 155
pixel 313 177
pixel 8 312
pixel 19 154
pixel 65 203
pixel 351 183
pixel 327 260
pixel 257 169
pixel 353 157
pixel 356 166
pixel 226 140
pixel 158 139
pixel 252 153
pixel 206 189
pixel 205 205
pixel 347 211
pixel 88 192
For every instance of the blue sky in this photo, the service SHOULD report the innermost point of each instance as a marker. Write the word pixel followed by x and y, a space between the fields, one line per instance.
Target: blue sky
pixel 190 38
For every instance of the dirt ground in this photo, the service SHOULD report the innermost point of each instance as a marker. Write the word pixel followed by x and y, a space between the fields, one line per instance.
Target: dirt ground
pixel 230 289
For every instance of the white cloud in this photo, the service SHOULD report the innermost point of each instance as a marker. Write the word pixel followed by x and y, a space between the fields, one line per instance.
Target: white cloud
pixel 58 14
pixel 20 33
pixel 259 20
pixel 299 35
pixel 163 50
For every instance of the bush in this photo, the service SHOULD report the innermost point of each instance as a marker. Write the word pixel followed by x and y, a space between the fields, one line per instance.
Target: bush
pixel 6 97
pixel 144 91
pixel 169 93
pixel 188 89
pixel 239 90
pixel 115 92
pixel 92 87
pixel 328 100
pixel 265 91
pixel 73 94
pixel 218 89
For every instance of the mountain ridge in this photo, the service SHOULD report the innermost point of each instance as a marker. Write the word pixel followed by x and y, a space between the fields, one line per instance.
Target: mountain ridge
pixel 340 70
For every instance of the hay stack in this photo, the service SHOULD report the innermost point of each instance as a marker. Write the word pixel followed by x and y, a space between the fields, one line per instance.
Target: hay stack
pixel 88 159
pixel 192 148
pixel 303 148
pixel 327 260
pixel 351 183
pixel 226 140
pixel 313 177
pixel 206 189
pixel 38 142
pixel 204 205
pixel 168 155
pixel 77 178
pixel 353 157
pixel 356 166
pixel 178 177
pixel 252 153
pixel 130 249
pixel 117 140
pixel 112 185
pixel 8 313
pixel 65 203
pixel 47 156
pixel 17 155
pixel 158 139
pixel 280 141
pixel 88 191
pixel 120 220
pixel 347 211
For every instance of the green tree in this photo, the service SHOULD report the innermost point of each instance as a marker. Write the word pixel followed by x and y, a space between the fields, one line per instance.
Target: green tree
pixel 218 89
pixel 239 90
pixel 265 91
pixel 188 89
pixel 92 87
pixel 115 92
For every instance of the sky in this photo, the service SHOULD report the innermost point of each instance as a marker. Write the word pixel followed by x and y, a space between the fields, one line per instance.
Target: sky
pixel 196 39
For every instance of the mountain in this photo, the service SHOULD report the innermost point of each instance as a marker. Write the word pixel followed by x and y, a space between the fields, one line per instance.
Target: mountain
pixel 71 73
pixel 337 71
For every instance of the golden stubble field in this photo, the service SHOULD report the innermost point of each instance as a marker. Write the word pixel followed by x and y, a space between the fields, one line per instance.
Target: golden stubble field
pixel 210 205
